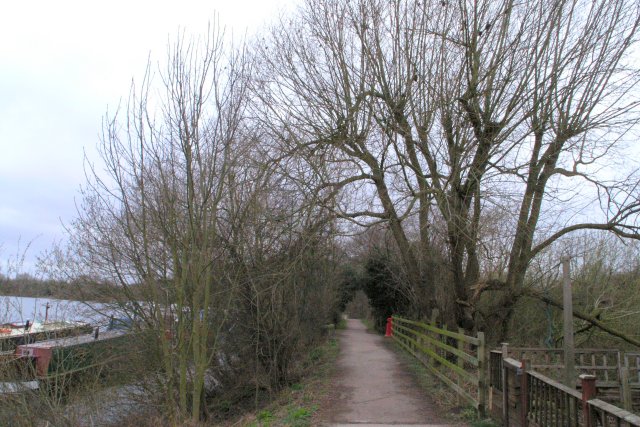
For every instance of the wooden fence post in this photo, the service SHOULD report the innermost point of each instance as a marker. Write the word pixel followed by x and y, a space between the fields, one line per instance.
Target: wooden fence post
pixel 505 394
pixel 588 393
pixel 505 350
pixel 505 385
pixel 482 375
pixel 567 314
pixel 460 360
pixel 524 393
pixel 625 389
pixel 434 336
pixel 461 348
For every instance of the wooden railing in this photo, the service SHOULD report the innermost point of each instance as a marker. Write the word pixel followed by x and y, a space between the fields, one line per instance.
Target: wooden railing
pixel 604 364
pixel 631 362
pixel 532 399
pixel 617 373
pixel 513 390
pixel 455 358
pixel 495 369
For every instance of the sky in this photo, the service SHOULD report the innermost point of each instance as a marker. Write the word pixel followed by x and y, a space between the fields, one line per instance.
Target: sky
pixel 62 65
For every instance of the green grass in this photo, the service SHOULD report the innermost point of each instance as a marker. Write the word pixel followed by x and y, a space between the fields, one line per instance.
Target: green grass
pixel 296 405
pixel 265 418
pixel 369 324
pixel 300 416
pixel 316 354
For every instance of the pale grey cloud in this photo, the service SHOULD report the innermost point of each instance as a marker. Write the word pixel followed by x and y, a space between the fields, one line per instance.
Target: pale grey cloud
pixel 61 65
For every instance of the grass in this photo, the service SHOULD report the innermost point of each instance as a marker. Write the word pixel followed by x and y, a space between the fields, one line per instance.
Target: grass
pixel 297 405
pixel 368 323
pixel 300 416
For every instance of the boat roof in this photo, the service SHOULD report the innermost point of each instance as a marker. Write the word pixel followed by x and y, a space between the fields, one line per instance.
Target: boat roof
pixel 72 341
pixel 10 331
pixel 17 387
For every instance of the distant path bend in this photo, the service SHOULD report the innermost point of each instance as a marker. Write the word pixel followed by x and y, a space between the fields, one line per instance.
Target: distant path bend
pixel 371 386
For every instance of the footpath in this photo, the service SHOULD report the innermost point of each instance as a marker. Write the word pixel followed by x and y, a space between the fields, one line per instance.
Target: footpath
pixel 372 388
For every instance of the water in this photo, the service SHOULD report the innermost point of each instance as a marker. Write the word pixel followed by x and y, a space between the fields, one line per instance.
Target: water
pixel 20 309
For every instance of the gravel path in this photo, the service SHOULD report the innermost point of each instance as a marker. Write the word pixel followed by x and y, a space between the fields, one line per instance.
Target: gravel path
pixel 372 388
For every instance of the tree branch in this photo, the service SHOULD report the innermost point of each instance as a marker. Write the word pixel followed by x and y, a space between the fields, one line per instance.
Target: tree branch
pixel 591 319
pixel 615 228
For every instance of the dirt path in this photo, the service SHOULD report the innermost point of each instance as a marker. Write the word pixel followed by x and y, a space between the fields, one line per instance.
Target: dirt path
pixel 372 387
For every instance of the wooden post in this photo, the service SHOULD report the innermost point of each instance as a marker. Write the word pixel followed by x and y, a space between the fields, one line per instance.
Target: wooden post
pixel 505 394
pixel 588 393
pixel 482 375
pixel 625 389
pixel 434 317
pixel 567 303
pixel 504 347
pixel 461 348
pixel 460 360
pixel 524 393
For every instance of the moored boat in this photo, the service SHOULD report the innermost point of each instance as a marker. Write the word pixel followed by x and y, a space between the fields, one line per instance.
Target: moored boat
pixel 13 334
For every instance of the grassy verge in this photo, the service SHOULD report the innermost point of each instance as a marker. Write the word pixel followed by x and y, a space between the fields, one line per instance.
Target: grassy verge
pixel 368 322
pixel 453 407
pixel 296 405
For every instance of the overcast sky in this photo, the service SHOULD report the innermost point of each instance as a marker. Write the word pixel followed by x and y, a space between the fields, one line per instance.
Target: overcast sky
pixel 62 64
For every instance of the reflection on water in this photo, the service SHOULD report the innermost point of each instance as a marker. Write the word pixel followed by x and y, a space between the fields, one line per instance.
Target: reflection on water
pixel 21 309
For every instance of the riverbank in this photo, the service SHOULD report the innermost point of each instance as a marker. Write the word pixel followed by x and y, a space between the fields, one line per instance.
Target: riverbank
pixel 27 286
pixel 300 403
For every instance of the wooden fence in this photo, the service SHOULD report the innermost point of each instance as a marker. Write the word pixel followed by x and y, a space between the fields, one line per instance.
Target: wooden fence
pixel 532 399
pixel 617 373
pixel 457 359
pixel 516 391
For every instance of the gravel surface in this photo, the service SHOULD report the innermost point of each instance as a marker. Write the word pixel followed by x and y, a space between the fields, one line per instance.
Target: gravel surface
pixel 372 388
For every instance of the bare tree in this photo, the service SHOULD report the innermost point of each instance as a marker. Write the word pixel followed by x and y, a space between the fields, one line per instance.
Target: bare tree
pixel 207 229
pixel 444 109
pixel 149 222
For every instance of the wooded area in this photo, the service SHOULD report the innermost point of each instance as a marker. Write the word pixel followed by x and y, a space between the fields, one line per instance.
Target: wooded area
pixel 433 154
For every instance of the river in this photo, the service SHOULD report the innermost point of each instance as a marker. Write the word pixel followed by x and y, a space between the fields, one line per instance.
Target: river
pixel 20 309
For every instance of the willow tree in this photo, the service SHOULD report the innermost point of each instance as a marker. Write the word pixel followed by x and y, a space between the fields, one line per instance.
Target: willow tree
pixel 149 221
pixel 445 111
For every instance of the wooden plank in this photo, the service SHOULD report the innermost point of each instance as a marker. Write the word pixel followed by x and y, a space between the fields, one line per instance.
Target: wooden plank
pixel 482 375
pixel 467 357
pixel 460 360
pixel 567 317
pixel 441 376
pixel 505 392
pixel 583 367
pixel 556 384
pixel 451 334
pixel 455 368
pixel 512 363
pixel 460 349
pixel 625 390
pixel 615 411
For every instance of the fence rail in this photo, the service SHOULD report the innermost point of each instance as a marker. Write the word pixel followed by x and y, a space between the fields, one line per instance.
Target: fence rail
pixel 532 399
pixel 617 373
pixel 523 395
pixel 455 358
